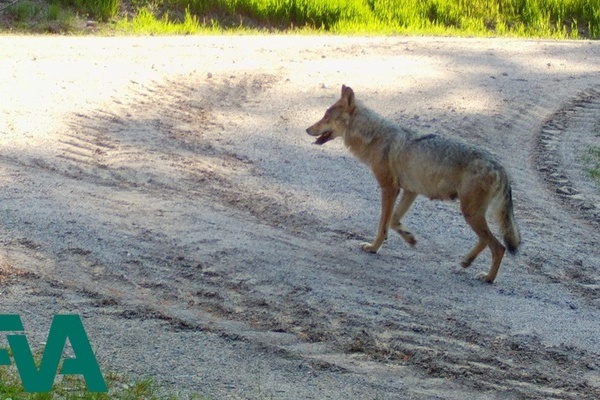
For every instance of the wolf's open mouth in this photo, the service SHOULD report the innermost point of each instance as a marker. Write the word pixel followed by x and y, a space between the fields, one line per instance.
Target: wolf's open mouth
pixel 324 138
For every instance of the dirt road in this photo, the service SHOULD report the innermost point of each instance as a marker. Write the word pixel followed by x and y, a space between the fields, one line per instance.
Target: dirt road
pixel 165 190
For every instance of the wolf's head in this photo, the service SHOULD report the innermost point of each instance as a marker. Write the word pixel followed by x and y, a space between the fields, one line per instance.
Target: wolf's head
pixel 336 119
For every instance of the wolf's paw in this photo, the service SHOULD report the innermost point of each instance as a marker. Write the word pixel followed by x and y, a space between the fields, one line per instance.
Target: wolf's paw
pixel 483 277
pixel 406 235
pixel 410 239
pixel 368 247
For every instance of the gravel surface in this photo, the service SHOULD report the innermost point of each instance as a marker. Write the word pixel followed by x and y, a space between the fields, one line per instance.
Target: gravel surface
pixel 165 190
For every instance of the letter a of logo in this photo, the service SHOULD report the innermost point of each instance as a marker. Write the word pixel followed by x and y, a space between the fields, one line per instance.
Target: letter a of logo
pixel 40 380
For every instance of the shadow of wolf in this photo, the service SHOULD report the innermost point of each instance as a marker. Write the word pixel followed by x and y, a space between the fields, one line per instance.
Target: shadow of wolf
pixel 430 165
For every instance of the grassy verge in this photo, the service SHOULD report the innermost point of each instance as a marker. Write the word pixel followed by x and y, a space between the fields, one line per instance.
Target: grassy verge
pixel 517 18
pixel 548 18
pixel 146 22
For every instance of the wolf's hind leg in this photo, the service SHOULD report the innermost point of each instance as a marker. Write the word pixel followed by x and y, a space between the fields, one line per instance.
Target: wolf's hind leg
pixel 479 247
pixel 401 209
pixel 486 238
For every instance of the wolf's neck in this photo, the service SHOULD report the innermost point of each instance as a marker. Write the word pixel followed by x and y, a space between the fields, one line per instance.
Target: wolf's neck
pixel 366 127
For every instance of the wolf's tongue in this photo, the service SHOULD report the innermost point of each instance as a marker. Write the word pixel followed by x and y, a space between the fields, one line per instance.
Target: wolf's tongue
pixel 324 138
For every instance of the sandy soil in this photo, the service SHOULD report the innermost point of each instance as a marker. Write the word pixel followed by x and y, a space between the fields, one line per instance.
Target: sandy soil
pixel 165 190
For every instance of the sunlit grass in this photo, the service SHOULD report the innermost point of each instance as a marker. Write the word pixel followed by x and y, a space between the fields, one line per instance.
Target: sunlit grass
pixel 558 19
pixel 532 18
pixel 145 22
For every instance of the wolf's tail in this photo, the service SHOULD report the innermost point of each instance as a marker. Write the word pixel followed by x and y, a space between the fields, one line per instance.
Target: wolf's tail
pixel 506 219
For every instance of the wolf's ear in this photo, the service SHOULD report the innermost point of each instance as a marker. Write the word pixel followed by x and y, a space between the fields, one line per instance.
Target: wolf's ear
pixel 348 95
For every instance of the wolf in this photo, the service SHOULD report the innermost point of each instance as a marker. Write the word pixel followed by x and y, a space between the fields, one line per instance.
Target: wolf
pixel 430 165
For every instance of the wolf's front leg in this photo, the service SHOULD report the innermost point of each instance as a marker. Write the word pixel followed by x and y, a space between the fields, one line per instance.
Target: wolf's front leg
pixel 405 202
pixel 371 247
pixel 388 198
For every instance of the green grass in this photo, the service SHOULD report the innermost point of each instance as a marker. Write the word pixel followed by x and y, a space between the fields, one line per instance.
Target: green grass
pixel 37 16
pixel 592 160
pixel 101 10
pixel 507 18
pixel 537 18
pixel 70 387
pixel 25 10
pixel 145 22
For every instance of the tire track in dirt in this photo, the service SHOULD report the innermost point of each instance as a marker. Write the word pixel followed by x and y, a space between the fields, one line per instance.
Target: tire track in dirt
pixel 187 139
pixel 399 334
pixel 113 148
pixel 561 146
pixel 554 197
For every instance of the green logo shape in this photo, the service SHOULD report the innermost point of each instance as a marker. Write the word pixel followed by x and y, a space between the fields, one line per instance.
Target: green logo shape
pixel 40 379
